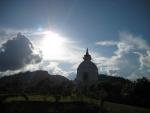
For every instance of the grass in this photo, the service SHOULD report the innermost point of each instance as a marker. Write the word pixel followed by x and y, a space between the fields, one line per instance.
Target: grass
pixel 108 106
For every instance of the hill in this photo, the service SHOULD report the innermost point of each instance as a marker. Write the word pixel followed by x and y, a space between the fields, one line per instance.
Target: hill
pixel 114 89
pixel 28 81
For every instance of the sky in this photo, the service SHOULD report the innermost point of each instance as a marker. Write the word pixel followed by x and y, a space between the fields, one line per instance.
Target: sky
pixel 55 34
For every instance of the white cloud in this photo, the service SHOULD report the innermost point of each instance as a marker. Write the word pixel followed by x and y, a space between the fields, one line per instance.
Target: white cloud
pixel 106 43
pixel 144 59
pixel 121 63
pixel 135 42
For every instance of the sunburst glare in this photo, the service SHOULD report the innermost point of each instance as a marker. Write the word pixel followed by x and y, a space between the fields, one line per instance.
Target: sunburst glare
pixel 52 45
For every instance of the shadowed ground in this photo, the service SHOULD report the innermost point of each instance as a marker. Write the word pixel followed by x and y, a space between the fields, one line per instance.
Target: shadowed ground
pixel 48 107
pixel 48 104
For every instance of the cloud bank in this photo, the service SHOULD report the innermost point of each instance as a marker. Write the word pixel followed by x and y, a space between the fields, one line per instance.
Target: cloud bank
pixel 131 58
pixel 16 53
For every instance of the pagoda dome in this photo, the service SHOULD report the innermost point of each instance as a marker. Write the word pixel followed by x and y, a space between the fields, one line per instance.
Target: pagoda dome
pixel 87 65
pixel 87 71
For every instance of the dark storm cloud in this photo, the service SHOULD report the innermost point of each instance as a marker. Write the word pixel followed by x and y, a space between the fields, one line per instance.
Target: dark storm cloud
pixel 17 53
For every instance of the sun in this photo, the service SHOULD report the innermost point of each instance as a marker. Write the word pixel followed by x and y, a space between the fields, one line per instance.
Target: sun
pixel 52 45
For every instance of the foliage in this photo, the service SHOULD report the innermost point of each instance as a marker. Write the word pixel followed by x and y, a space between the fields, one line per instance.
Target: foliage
pixel 108 88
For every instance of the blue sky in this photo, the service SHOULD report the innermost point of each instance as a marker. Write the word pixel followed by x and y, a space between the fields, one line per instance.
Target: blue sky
pixel 115 31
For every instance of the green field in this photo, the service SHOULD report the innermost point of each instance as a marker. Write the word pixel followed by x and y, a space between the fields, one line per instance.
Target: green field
pixel 68 104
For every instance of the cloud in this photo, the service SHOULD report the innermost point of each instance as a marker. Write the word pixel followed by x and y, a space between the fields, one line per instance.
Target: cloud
pixel 24 57
pixel 16 53
pixel 132 56
pixel 106 43
pixel 52 67
pixel 119 64
pixel 144 59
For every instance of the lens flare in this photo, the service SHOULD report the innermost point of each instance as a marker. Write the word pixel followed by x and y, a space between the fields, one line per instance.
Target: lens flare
pixel 52 45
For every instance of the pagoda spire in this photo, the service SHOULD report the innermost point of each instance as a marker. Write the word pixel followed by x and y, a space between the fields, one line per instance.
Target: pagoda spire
pixel 87 56
pixel 87 51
